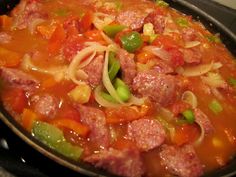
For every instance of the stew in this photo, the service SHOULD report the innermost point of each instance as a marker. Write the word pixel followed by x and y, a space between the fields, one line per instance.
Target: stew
pixel 130 86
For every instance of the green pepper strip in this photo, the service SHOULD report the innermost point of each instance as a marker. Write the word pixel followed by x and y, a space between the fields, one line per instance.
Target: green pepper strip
pixel 54 138
pixel 189 116
pixel 162 3
pixel 232 81
pixel 113 65
pixel 213 38
pixel 182 22
pixel 215 106
pixel 112 30
pixel 131 41
pixel 108 97
pixel 122 89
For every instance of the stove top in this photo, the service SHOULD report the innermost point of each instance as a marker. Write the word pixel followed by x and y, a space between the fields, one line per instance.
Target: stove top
pixel 19 159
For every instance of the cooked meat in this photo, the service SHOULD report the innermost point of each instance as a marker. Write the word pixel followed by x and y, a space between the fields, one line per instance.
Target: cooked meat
pixel 159 88
pixel 162 67
pixel 95 119
pixel 45 105
pixel 192 55
pixel 125 163
pixel 94 70
pixel 128 66
pixel 26 12
pixel 181 161
pixel 189 34
pixel 147 133
pixel 18 78
pixel 158 20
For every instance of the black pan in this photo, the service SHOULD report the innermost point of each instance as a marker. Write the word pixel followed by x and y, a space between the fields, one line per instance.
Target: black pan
pixel 228 38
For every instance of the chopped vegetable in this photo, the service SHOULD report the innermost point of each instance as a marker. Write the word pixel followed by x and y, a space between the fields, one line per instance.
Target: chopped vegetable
pixel 190 98
pixel 186 133
pixel 122 89
pixel 28 118
pixel 131 41
pixel 148 29
pixel 215 106
pixel 182 22
pixel 232 81
pixel 214 80
pixel 16 98
pixel 80 93
pixel 54 138
pixel 112 30
pixel 114 66
pixel 108 97
pixel 162 3
pixel 56 40
pixel 213 38
pixel 189 116
pixel 9 58
pixel 73 125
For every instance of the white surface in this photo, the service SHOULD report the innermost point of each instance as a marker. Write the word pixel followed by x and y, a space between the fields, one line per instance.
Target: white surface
pixel 228 3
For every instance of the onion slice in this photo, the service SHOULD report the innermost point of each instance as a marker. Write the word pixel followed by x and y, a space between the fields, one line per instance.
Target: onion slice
pixel 191 71
pixel 103 102
pixel 201 137
pixel 159 52
pixel 190 98
pixel 107 82
pixel 191 44
pixel 59 73
pixel 76 62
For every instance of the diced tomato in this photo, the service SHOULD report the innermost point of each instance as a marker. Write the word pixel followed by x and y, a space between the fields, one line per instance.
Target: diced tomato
pixel 122 144
pixel 179 107
pixel 71 25
pixel 9 58
pixel 69 112
pixel 28 118
pixel 73 125
pixel 86 22
pixel 56 40
pixel 16 99
pixel 127 113
pixel 72 45
pixel 166 42
pixel 186 133
pixel 46 30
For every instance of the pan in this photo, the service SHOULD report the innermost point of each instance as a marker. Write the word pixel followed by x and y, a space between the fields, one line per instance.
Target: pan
pixel 214 26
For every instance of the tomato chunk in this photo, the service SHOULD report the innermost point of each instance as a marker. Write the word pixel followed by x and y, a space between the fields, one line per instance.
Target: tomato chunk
pixel 16 99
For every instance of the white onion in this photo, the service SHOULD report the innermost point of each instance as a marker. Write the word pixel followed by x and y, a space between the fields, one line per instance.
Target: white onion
pixel 32 26
pixel 198 70
pixel 101 19
pixel 59 73
pixel 166 113
pixel 103 102
pixel 159 52
pixel 107 82
pixel 201 137
pixel 190 98
pixel 76 62
pixel 191 44
pixel 107 39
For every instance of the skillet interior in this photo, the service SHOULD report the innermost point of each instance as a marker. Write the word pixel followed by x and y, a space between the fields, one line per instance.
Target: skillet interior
pixel 228 38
